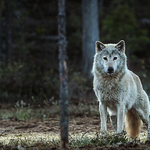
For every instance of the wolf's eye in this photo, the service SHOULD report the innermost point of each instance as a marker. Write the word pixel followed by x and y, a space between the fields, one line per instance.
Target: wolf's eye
pixel 115 58
pixel 105 58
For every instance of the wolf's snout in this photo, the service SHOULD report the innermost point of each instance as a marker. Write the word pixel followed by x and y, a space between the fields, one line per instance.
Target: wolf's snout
pixel 110 70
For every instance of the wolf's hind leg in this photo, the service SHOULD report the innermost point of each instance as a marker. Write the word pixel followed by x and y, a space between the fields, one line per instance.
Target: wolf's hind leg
pixel 145 117
pixel 113 120
pixel 148 130
pixel 147 123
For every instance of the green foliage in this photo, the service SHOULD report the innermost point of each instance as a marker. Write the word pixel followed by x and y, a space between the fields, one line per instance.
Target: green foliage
pixel 121 23
pixel 23 114
pixel 19 113
pixel 19 80
pixel 23 111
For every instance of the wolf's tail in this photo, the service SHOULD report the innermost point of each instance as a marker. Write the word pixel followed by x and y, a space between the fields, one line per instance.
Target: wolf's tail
pixel 133 123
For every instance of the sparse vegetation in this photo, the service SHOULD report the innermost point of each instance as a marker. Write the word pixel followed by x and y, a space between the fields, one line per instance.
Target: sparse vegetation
pixel 82 140
pixel 27 127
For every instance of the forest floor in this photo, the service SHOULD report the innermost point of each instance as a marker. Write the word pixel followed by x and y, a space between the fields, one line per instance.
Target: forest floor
pixel 44 133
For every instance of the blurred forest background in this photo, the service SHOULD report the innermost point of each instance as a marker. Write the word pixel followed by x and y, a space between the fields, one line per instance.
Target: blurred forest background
pixel 29 46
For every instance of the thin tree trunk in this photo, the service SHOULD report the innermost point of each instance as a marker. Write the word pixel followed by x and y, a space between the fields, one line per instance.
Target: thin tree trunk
pixel 63 71
pixel 90 33
pixel 1 54
pixel 8 28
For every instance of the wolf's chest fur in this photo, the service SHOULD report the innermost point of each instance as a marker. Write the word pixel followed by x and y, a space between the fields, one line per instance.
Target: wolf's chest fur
pixel 110 90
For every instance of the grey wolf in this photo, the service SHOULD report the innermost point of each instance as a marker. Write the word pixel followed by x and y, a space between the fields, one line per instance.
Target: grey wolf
pixel 119 91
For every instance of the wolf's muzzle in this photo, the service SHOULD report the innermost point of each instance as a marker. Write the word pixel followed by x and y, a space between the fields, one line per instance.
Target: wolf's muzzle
pixel 110 70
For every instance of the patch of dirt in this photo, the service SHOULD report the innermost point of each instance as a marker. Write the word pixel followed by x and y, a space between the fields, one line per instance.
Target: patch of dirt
pixel 77 125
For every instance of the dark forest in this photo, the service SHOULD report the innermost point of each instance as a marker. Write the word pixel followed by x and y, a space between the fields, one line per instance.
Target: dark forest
pixel 29 61
pixel 29 45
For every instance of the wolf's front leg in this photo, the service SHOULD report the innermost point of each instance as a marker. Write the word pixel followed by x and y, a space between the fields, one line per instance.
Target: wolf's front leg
pixel 120 117
pixel 103 116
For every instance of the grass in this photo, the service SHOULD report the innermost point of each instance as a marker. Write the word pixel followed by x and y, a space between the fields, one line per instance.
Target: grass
pixel 28 140
pixel 29 113
pixel 96 140
pixel 48 139
pixel 21 114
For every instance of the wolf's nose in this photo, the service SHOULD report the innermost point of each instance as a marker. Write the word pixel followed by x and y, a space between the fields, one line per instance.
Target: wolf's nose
pixel 110 70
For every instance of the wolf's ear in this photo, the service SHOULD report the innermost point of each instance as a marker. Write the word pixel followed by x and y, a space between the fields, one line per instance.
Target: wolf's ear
pixel 121 46
pixel 99 46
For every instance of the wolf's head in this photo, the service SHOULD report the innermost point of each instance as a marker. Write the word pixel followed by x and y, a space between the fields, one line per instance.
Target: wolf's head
pixel 109 58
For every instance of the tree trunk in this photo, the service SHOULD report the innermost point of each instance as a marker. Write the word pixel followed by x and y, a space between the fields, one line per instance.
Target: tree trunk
pixel 90 33
pixel 1 54
pixel 8 28
pixel 63 72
